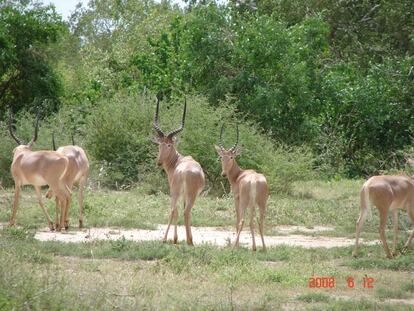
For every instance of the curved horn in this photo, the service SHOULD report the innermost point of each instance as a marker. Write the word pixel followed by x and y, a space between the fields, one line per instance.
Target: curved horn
pixel 156 126
pixel 73 140
pixel 11 129
pixel 175 132
pixel 36 129
pixel 220 143
pixel 237 138
pixel 53 141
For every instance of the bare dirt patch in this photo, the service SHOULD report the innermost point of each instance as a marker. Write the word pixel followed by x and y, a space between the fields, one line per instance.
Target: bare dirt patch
pixel 291 229
pixel 409 301
pixel 212 235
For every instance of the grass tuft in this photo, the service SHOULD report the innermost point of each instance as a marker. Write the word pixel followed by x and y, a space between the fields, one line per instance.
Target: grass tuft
pixel 314 297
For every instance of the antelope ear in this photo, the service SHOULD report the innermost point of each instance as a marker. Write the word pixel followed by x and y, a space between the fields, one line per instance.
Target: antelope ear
pixel 155 140
pixel 218 149
pixel 238 150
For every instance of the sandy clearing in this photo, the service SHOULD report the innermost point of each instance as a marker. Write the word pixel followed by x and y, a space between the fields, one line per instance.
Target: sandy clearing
pixel 212 235
pixel 292 228
pixel 409 301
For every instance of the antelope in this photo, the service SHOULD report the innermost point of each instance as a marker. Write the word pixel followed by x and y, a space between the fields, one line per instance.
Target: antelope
pixel 249 188
pixel 386 193
pixel 77 173
pixel 185 175
pixel 38 168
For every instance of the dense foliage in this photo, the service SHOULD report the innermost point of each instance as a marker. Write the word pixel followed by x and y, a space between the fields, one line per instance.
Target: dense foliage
pixel 335 78
pixel 26 75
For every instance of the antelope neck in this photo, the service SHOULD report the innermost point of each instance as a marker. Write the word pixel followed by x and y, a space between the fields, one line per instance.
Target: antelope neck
pixel 234 173
pixel 171 162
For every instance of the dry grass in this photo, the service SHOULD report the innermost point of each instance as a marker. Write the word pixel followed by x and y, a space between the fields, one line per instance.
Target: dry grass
pixel 150 275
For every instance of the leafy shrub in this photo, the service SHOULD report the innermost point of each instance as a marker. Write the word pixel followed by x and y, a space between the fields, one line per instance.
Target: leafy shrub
pixel 118 133
pixel 367 118
pixel 116 136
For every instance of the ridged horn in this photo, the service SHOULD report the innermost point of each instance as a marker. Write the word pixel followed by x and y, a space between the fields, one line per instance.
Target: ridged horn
pixel 11 128
pixel 53 141
pixel 237 138
pixel 220 143
pixel 34 138
pixel 156 126
pixel 178 130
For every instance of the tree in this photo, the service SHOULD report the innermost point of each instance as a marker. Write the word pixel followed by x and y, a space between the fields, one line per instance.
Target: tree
pixel 26 76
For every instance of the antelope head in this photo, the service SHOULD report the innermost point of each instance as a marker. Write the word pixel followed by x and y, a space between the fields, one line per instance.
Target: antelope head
pixel 227 157
pixel 166 142
pixel 20 144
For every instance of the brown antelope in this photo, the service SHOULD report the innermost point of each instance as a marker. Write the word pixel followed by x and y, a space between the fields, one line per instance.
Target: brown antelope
pixel 77 173
pixel 249 188
pixel 38 168
pixel 185 175
pixel 386 193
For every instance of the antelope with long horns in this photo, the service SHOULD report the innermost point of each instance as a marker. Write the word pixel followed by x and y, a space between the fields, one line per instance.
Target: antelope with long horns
pixel 38 168
pixel 76 174
pixel 249 188
pixel 387 193
pixel 185 175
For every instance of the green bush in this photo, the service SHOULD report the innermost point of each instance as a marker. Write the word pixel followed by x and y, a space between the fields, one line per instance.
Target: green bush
pixel 368 118
pixel 118 133
pixel 116 136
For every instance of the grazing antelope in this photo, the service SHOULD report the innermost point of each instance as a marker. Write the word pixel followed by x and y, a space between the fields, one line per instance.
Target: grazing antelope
pixel 386 193
pixel 38 168
pixel 185 175
pixel 77 173
pixel 249 188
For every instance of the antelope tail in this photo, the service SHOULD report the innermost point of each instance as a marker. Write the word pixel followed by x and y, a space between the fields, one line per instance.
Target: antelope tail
pixel 253 192
pixel 365 204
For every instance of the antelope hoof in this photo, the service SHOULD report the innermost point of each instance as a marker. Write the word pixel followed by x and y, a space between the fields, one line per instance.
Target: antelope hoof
pixel 175 240
pixel 190 243
pixel 66 225
pixel 58 228
pixel 254 248
pixel 80 224
pixel 355 254
pixel 52 227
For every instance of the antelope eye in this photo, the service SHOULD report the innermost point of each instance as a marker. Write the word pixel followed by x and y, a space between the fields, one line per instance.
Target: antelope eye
pixel 168 145
pixel 231 158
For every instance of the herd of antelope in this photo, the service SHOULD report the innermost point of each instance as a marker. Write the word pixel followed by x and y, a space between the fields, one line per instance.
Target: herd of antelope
pixel 61 168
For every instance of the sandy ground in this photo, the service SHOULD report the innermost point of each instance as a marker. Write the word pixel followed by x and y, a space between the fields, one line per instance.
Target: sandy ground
pixel 217 236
